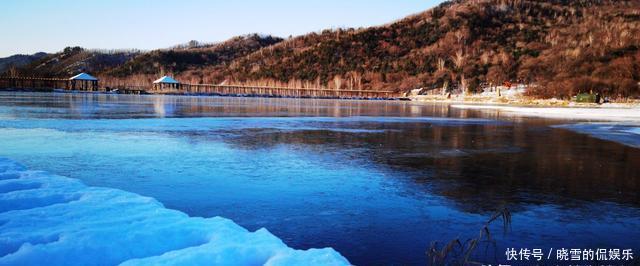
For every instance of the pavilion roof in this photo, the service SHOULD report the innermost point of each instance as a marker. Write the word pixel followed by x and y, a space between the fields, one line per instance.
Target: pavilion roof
pixel 166 79
pixel 83 76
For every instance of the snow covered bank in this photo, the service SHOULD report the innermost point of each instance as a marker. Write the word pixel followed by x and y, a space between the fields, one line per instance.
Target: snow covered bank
pixel 53 220
pixel 576 113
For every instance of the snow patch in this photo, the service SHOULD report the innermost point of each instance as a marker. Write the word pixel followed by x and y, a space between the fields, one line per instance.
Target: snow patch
pixel 166 79
pixel 83 76
pixel 53 220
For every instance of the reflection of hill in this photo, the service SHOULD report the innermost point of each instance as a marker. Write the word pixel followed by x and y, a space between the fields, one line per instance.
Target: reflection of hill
pixel 479 167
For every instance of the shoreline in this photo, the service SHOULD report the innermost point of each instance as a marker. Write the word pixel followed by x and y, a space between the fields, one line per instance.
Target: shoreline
pixel 583 113
pixel 519 101
pixel 551 108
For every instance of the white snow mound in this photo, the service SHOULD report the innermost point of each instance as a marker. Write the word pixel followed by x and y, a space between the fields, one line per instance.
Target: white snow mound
pixel 53 220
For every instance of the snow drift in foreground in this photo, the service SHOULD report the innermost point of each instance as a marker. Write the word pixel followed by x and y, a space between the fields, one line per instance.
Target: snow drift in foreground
pixel 53 220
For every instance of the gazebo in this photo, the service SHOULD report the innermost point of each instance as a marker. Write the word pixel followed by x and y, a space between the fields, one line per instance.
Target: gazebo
pixel 166 82
pixel 83 81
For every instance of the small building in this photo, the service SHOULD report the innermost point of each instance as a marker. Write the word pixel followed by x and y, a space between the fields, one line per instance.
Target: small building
pixel 84 82
pixel 166 83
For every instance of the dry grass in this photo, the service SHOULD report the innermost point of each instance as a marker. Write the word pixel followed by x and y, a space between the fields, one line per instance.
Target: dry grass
pixel 457 252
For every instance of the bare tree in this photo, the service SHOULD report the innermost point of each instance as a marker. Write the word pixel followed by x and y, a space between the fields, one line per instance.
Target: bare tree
pixel 459 59
pixel 337 81
pixel 441 64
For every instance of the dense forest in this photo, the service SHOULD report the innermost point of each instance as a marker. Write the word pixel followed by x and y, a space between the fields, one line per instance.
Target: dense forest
pixel 557 47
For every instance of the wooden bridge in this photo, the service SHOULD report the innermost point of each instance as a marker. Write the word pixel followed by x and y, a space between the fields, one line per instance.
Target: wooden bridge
pixel 268 91
pixel 34 83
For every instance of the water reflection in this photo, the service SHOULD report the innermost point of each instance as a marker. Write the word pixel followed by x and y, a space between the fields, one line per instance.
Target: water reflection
pixel 491 165
pixel 376 180
pixel 86 105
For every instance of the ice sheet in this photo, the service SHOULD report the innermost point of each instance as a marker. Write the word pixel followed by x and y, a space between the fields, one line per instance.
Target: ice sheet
pixel 626 134
pixel 53 220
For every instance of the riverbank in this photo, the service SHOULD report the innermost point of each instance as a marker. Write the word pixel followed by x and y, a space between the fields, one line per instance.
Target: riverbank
pixel 545 108
pixel 517 100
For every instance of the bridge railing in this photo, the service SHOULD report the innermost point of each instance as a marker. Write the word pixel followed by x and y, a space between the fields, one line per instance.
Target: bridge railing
pixel 33 83
pixel 283 91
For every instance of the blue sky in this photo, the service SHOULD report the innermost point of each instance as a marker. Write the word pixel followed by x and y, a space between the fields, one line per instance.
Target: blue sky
pixel 29 26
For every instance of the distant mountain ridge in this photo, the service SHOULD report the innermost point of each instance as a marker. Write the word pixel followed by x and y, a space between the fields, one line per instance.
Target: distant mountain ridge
pixel 138 66
pixel 19 60
pixel 193 56
pixel 560 46
pixel 73 60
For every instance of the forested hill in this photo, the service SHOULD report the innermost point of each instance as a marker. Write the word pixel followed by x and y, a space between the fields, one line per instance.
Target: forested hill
pixel 562 46
pixel 194 56
pixel 559 46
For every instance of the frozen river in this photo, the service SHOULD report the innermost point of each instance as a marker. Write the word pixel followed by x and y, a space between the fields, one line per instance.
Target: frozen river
pixel 376 180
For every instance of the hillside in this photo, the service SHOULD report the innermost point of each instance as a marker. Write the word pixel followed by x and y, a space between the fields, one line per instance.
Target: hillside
pixel 19 60
pixel 193 56
pixel 559 47
pixel 73 60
